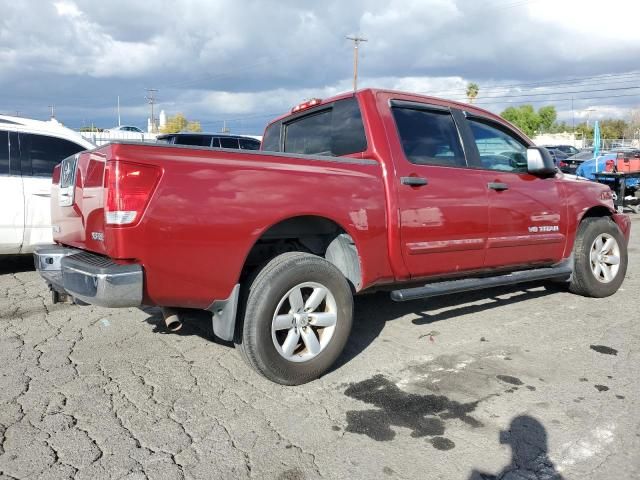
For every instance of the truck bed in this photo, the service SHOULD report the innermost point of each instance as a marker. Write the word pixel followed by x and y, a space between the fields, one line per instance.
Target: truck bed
pixel 214 204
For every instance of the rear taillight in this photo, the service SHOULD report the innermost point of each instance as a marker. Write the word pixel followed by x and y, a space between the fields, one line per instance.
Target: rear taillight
pixel 55 179
pixel 563 164
pixel 128 188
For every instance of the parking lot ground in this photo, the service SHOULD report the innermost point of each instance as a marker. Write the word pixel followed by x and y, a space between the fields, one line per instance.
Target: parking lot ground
pixel 521 382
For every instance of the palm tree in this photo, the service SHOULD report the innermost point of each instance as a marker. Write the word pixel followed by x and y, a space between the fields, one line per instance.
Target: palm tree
pixel 472 91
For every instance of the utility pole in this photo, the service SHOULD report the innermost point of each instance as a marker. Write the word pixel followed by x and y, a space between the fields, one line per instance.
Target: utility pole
pixel 573 120
pixel 53 110
pixel 356 42
pixel 118 110
pixel 151 100
pixel 225 129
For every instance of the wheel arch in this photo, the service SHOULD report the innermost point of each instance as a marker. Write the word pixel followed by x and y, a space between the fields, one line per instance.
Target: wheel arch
pixel 317 234
pixel 595 211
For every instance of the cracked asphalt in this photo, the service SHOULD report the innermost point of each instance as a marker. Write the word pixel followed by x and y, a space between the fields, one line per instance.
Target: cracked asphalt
pixel 514 383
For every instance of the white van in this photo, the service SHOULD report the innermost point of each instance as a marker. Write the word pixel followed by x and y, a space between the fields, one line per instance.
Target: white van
pixel 29 150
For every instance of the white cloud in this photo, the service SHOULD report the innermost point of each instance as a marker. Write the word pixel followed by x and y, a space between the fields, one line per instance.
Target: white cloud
pixel 250 57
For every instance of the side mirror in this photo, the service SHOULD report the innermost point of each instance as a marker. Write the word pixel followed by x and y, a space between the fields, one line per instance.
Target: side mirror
pixel 540 162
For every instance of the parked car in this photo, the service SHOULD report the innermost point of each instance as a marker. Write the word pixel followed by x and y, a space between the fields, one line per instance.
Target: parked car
pixel 368 190
pixel 558 156
pixel 572 163
pixel 124 128
pixel 566 149
pixel 29 150
pixel 216 140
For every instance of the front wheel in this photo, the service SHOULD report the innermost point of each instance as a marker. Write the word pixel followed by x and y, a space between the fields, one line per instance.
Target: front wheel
pixel 600 255
pixel 297 318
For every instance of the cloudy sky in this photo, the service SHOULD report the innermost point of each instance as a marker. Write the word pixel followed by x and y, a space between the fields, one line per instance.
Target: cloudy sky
pixel 245 61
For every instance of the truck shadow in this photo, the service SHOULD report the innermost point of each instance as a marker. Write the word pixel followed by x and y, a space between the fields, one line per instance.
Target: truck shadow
pixel 194 322
pixel 16 264
pixel 373 311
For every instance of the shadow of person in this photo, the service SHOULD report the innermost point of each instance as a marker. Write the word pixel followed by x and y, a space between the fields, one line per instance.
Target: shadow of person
pixel 529 453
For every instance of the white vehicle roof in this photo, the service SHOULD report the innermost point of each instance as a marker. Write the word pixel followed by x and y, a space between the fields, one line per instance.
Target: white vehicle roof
pixel 51 128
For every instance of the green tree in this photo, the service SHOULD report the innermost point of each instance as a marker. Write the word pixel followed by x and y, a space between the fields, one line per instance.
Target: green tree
pixel 179 123
pixel 586 132
pixel 90 128
pixel 524 117
pixel 547 116
pixel 472 91
pixel 612 128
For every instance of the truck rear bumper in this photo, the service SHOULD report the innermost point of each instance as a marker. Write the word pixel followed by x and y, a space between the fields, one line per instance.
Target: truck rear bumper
pixel 90 278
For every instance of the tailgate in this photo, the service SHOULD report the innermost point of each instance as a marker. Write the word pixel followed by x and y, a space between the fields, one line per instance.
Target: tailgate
pixel 77 201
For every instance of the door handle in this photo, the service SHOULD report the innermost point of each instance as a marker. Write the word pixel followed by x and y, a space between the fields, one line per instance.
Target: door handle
pixel 498 186
pixel 413 181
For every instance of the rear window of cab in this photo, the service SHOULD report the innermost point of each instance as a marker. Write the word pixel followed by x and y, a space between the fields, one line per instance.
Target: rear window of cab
pixel 333 130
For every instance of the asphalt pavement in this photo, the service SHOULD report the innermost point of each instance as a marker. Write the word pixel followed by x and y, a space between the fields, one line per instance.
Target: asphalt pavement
pixel 519 382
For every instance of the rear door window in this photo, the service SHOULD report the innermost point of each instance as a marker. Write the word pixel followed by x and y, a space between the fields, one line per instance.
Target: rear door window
pixel 333 130
pixel 44 153
pixel 226 142
pixel 429 137
pixel 271 138
pixel 310 134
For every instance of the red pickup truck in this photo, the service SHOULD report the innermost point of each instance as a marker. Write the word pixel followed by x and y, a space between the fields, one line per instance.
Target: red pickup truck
pixel 368 190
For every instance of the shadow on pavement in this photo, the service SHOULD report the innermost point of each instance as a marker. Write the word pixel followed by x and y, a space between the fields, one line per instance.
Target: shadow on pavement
pixel 194 322
pixel 372 311
pixel 527 438
pixel 16 264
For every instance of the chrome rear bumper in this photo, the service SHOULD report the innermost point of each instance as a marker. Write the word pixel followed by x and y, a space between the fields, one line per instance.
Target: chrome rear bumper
pixel 89 277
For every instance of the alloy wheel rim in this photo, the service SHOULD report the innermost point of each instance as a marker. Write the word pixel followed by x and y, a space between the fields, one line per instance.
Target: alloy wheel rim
pixel 604 258
pixel 304 322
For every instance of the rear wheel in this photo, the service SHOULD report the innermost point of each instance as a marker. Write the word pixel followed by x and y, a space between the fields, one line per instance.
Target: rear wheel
pixel 600 258
pixel 297 318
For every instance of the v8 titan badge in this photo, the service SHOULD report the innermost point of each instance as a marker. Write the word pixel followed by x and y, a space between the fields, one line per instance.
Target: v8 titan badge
pixel 544 228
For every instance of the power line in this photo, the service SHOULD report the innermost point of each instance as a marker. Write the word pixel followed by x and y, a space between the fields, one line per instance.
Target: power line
pixel 493 87
pixel 483 102
pixel 560 93
pixel 560 99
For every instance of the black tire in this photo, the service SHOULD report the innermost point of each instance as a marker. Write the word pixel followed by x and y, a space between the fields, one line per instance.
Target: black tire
pixel 266 292
pixel 584 280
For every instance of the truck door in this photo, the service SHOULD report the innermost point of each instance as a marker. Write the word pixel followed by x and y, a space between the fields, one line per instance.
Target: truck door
pixel 442 204
pixel 527 221
pixel 11 194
